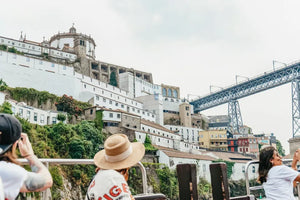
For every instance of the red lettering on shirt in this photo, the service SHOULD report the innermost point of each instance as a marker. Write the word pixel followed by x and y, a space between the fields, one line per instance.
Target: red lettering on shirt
pixel 100 198
pixel 107 197
pixel 125 187
pixel 115 191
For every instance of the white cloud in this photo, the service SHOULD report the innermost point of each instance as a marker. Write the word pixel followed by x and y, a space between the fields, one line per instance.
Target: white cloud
pixel 191 44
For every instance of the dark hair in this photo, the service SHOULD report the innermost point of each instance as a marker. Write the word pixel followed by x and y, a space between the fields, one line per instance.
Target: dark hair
pixel 265 155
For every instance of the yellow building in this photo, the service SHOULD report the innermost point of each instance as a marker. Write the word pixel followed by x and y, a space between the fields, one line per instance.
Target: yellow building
pixel 213 139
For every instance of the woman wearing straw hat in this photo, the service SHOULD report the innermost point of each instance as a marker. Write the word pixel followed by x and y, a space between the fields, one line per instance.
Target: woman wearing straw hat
pixel 113 163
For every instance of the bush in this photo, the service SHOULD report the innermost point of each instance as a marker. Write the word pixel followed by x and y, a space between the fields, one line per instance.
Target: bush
pixel 3 85
pixel 6 108
pixel 61 117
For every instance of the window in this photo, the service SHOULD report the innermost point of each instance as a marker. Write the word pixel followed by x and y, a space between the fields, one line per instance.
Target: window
pixel 97 98
pixel 21 112
pixel 175 95
pixel 118 115
pixel 28 114
pixel 53 120
pixel 187 108
pixel 42 118
pixel 117 104
pixel 52 65
pixel 253 169
pixel 104 100
pixel 110 102
pixel 91 111
pixel 164 92
pixel 243 169
pixel 35 115
pixel 169 93
pixel 111 115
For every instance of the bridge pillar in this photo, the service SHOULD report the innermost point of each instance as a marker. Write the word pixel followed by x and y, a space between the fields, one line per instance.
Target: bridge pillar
pixel 235 116
pixel 296 107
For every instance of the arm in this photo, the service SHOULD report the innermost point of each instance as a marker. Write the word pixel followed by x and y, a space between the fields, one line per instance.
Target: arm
pixel 296 158
pixel 40 178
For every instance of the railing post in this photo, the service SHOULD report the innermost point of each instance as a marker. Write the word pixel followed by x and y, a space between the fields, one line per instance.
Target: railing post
pixel 144 177
pixel 46 194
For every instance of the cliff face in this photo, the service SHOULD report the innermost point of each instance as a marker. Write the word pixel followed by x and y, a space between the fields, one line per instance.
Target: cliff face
pixel 70 191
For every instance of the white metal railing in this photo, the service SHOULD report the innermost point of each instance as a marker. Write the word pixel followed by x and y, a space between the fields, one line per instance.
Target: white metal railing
pixel 53 161
pixel 248 188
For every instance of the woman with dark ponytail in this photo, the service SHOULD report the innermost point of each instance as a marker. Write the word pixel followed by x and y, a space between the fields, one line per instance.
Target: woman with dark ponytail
pixel 277 179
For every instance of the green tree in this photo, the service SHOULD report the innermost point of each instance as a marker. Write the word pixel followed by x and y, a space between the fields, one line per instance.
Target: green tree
pixel 280 149
pixel 3 85
pixel 67 104
pixel 61 117
pixel 148 144
pixel 76 148
pixel 113 79
pixel 91 136
pixel 12 50
pixel 6 108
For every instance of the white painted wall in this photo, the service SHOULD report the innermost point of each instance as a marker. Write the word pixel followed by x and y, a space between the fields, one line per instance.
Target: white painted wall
pixel 2 98
pixel 188 134
pixel 111 116
pixel 21 71
pixel 153 103
pixel 34 115
pixel 35 49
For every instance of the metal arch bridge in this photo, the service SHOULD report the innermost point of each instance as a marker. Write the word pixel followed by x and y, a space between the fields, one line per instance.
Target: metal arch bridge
pixel 268 80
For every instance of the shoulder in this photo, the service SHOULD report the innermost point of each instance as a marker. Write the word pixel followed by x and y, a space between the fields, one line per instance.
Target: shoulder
pixel 110 175
pixel 115 186
pixel 11 168
pixel 282 171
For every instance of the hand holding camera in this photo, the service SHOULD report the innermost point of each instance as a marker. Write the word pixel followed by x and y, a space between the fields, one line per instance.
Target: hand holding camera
pixel 25 146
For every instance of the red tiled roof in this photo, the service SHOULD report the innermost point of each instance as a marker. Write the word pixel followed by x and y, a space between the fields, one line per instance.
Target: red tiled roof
pixel 155 125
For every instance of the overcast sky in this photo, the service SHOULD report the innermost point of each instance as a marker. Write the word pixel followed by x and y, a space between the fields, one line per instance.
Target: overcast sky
pixel 187 43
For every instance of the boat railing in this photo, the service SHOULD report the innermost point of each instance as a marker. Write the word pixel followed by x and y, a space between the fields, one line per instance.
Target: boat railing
pixel 54 161
pixel 259 187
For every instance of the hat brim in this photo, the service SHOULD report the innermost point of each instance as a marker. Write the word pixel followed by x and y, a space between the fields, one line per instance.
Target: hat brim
pixel 138 152
pixel 4 148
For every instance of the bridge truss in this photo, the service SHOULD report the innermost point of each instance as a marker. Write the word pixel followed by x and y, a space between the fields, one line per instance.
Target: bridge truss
pixel 268 80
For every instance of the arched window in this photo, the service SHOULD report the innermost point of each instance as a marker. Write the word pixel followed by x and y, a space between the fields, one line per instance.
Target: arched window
pixel 164 92
pixel 175 94
pixel 169 93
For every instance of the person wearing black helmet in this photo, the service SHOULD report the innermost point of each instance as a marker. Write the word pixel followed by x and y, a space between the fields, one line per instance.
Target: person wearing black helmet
pixel 16 179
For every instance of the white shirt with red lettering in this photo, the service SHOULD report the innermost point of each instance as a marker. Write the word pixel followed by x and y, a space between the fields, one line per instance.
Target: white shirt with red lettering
pixel 108 185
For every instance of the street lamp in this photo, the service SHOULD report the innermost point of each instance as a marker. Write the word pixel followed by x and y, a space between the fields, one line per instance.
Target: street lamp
pixel 236 77
pixel 275 61
pixel 214 86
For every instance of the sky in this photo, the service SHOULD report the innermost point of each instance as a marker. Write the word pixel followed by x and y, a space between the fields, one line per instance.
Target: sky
pixel 192 44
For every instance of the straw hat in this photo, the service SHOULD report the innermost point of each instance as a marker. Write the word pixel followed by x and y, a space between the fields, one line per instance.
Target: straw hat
pixel 119 153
